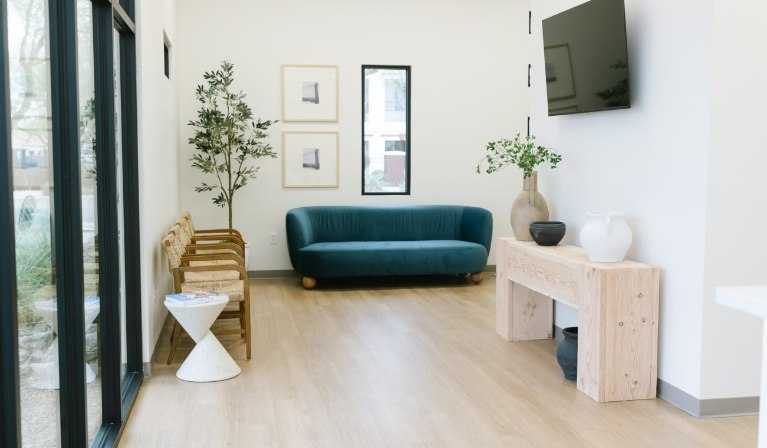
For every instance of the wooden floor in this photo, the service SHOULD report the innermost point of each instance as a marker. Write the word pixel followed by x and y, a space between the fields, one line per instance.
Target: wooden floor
pixel 398 363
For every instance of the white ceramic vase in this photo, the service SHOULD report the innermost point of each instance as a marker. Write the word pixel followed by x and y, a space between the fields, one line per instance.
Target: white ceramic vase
pixel 606 237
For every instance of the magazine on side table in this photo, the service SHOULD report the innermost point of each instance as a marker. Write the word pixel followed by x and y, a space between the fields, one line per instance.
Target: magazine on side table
pixel 195 297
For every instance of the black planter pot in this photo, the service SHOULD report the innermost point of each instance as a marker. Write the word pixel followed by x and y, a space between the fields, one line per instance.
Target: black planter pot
pixel 567 353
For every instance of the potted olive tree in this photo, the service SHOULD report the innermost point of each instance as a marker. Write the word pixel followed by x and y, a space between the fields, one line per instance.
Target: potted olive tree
pixel 226 138
pixel 530 205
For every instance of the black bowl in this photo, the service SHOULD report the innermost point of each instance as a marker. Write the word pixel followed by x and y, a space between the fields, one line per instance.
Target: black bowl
pixel 547 233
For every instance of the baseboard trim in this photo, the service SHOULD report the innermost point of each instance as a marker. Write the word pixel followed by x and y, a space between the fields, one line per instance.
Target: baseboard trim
pixel 164 333
pixel 279 273
pixel 711 408
pixel 715 407
pixel 289 273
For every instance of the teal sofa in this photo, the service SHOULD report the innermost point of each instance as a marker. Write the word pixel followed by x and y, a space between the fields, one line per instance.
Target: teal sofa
pixel 353 241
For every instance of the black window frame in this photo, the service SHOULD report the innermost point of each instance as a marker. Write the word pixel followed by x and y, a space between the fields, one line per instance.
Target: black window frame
pixel 118 395
pixel 408 113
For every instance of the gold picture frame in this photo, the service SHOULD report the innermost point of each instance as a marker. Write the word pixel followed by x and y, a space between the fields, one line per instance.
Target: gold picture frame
pixel 310 159
pixel 309 93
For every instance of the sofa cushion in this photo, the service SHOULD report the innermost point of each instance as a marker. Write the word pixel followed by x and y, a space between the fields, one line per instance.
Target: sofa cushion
pixel 371 258
pixel 400 223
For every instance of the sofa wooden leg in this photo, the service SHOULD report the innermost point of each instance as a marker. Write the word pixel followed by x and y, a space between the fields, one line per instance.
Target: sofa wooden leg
pixel 309 282
pixel 477 277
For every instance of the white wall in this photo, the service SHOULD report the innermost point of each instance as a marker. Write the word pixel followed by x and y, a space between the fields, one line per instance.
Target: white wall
pixel 158 157
pixel 659 162
pixel 469 75
pixel 736 252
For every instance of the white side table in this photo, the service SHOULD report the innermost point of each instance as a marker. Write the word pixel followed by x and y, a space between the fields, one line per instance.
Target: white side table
pixel 208 361
pixel 46 374
pixel 752 300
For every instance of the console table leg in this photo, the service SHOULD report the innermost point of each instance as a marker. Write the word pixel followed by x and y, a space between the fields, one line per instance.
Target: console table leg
pixel 521 313
pixel 531 314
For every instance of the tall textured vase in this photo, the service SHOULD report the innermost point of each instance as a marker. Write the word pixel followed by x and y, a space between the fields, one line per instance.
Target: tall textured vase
pixel 529 206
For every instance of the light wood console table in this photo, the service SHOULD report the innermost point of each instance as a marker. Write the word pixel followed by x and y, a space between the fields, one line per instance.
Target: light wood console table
pixel 617 320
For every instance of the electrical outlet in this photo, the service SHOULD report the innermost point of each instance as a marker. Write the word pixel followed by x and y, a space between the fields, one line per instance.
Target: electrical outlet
pixel 273 238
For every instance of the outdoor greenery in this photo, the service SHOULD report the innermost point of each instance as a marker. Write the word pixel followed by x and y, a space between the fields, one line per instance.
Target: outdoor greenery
pixel 522 153
pixel 226 138
pixel 33 268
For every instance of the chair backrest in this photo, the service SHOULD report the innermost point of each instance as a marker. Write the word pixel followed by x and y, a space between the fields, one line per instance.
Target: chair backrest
pixel 188 218
pixel 186 227
pixel 183 238
pixel 170 244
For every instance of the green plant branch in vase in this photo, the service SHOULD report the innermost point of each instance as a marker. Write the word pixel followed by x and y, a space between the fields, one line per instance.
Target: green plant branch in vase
pixel 524 154
pixel 226 138
pixel 529 205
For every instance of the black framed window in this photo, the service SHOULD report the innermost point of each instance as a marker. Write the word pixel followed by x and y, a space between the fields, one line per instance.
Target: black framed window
pixel 385 129
pixel 70 330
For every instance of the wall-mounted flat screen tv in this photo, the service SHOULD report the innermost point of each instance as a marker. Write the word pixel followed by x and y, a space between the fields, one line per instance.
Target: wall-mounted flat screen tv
pixel 586 58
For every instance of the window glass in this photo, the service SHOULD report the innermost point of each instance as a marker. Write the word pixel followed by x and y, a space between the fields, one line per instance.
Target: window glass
pixel 88 182
pixel 386 128
pixel 120 204
pixel 29 68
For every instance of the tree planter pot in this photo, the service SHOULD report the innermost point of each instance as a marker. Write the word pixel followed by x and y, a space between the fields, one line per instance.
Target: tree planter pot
pixel 567 353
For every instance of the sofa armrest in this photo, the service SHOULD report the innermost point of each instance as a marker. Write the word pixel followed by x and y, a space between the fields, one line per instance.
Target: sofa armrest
pixel 298 232
pixel 477 226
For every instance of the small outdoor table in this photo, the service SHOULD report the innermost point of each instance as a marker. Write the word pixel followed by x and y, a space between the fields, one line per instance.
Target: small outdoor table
pixel 46 374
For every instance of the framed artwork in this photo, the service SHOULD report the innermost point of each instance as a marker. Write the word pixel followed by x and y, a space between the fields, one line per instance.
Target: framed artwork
pixel 559 72
pixel 309 159
pixel 309 93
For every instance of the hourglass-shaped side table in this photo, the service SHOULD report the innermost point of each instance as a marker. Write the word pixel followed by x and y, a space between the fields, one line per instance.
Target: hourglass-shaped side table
pixel 209 360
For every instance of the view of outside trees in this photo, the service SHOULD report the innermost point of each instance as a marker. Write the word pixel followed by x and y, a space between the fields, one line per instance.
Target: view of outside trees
pixel 31 134
pixel 29 66
pixel 385 131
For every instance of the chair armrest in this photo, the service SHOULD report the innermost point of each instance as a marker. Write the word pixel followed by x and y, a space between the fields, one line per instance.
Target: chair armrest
pixel 218 231
pixel 299 233
pixel 224 256
pixel 218 247
pixel 477 226
pixel 220 238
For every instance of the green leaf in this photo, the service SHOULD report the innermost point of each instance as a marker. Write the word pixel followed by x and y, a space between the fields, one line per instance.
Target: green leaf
pixel 524 154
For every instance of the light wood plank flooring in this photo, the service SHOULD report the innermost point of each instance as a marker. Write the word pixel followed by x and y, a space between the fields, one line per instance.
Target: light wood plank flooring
pixel 398 363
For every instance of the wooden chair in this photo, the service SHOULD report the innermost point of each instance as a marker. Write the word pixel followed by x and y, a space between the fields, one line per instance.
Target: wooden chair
pixel 207 235
pixel 184 245
pixel 212 272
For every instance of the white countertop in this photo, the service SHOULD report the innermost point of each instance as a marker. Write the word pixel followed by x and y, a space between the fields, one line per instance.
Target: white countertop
pixel 750 299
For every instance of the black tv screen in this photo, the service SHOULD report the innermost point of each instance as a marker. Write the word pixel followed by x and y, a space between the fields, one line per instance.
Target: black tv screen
pixel 586 58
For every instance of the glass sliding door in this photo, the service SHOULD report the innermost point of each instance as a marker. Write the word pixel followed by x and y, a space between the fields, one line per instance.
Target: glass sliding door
pixel 30 104
pixel 70 341
pixel 89 178
pixel 120 211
